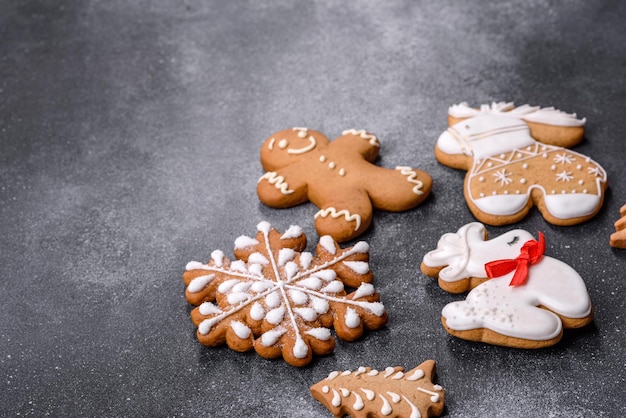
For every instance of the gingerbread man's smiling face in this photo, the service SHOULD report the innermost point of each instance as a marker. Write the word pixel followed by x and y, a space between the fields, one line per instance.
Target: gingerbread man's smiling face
pixel 290 145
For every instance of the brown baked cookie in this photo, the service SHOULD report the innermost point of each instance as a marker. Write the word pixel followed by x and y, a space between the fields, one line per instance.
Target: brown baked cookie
pixel 280 301
pixel 519 297
pixel 392 393
pixel 516 158
pixel 618 238
pixel 339 178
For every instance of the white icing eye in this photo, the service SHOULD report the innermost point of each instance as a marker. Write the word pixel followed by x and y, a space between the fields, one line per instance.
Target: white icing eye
pixel 283 143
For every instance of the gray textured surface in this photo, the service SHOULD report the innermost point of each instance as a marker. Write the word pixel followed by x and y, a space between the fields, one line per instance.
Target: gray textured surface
pixel 129 140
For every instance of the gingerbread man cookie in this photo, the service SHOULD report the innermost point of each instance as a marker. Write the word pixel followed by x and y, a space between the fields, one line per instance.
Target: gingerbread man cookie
pixel 515 158
pixel 519 297
pixel 339 178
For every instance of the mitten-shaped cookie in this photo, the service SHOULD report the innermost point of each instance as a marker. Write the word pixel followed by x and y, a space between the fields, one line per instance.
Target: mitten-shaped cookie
pixel 515 158
pixel 339 177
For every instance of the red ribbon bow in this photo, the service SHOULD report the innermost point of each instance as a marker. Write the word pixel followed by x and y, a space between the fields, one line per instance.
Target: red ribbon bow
pixel 530 253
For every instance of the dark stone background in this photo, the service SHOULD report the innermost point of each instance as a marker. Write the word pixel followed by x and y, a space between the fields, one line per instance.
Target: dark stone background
pixel 129 142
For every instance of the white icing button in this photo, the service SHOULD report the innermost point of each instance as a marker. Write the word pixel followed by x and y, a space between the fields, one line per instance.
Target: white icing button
pixel 502 156
pixel 331 165
pixel 302 134
pixel 581 182
pixel 523 181
pixel 494 193
pixel 481 179
pixel 322 158
pixel 482 194
pixel 585 191
pixel 545 155
pixel 552 167
pixel 580 167
pixel 506 192
pixel 342 172
pixel 283 143
pixel 489 164
pixel 563 192
pixel 524 165
pixel 519 155
pixel 517 192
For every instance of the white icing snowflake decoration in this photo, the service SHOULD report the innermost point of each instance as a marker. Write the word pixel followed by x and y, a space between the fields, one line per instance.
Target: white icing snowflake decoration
pixel 282 301
pixel 564 158
pixel 503 177
pixel 564 176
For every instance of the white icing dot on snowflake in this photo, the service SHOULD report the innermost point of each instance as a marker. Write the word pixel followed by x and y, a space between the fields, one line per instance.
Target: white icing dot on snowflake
pixel 328 244
pixel 335 286
pixel 207 308
pixel 360 267
pixel 322 334
pixel 245 242
pixel 284 255
pixel 352 318
pixel 305 260
pixel 320 305
pixel 257 312
pixel 276 315
pixel 218 258
pixel 241 330
pixel 366 289
pixel 308 314
pixel 227 285
pixel 298 297
pixel 199 283
pixel 270 338
pixel 294 231
pixel 272 300
pixel 239 266
pixel 311 282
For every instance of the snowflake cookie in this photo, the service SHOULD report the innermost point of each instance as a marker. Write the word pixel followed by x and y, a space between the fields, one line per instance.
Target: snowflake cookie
pixel 367 392
pixel 280 300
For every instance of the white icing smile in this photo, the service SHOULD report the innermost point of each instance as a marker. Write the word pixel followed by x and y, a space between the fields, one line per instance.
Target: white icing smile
pixel 312 144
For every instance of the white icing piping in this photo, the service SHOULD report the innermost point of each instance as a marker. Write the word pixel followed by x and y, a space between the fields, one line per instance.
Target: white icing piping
pixel 546 115
pixel 300 349
pixel 363 134
pixel 277 181
pixel 412 178
pixel 337 214
pixel 303 150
